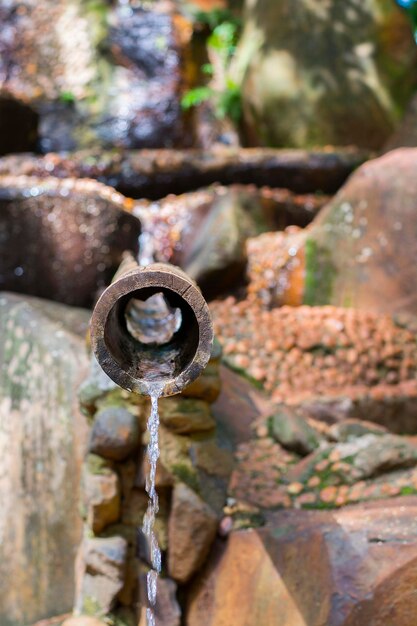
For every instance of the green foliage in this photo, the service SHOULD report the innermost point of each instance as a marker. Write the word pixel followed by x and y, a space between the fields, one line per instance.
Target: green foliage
pixel 223 39
pixel 67 97
pixel 229 103
pixel 196 96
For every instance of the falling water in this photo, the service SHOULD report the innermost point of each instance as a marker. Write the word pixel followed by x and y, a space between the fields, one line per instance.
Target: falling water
pixel 154 391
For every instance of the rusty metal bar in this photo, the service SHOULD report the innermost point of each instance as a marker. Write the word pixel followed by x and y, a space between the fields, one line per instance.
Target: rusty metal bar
pixel 136 365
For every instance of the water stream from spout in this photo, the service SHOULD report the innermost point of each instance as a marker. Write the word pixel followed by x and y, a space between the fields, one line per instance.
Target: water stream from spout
pixel 154 392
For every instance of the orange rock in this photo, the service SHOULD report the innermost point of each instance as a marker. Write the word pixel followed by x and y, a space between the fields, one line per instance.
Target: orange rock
pixel 255 578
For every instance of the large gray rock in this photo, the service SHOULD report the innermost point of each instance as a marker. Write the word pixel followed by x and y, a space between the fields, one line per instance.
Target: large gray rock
pixel 317 73
pixel 42 443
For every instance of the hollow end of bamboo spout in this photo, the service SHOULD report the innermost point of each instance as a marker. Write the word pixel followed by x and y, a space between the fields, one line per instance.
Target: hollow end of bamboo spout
pixel 145 367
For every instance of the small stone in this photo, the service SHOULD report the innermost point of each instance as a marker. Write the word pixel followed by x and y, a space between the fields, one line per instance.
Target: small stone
pixel 328 494
pixel 191 531
pixel 226 526
pixel 322 465
pixel 186 415
pixel 115 433
pixel 101 499
pixel 293 432
pixel 295 488
pixel 103 576
pixel 262 431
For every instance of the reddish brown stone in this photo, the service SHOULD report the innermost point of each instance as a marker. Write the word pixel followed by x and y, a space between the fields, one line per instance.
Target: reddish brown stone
pixel 192 527
pixel 257 577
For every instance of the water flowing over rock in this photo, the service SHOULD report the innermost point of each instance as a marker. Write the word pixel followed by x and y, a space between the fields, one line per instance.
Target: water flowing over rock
pixel 104 75
pixel 205 231
pixel 62 240
pixel 157 173
pixel 42 442
pixel 347 568
pixel 337 71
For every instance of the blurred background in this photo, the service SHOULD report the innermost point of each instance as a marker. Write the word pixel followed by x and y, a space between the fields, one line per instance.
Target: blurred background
pixel 269 149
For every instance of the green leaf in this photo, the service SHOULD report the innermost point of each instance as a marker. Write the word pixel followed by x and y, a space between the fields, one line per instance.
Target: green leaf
pixel 196 96
pixel 208 69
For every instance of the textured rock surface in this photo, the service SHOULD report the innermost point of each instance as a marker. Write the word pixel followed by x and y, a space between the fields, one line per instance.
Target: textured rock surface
pixel 104 560
pixel 292 431
pixel 335 363
pixel 369 464
pixel 157 173
pixel 185 416
pixel 314 568
pixel 101 497
pixel 192 528
pixel 62 240
pixel 167 610
pixel 361 250
pixel 115 434
pixel 42 443
pixel 337 72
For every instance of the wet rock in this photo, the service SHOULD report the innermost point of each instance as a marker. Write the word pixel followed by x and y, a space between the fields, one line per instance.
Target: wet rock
pixel 192 528
pixel 101 496
pixel 62 240
pixel 115 434
pixel 18 127
pixel 360 251
pixel 327 69
pixel 358 554
pixel 167 610
pixel 43 438
pixel 104 566
pixel 157 173
pixel 293 432
pixel 104 76
pixel 185 416
pixel 205 232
